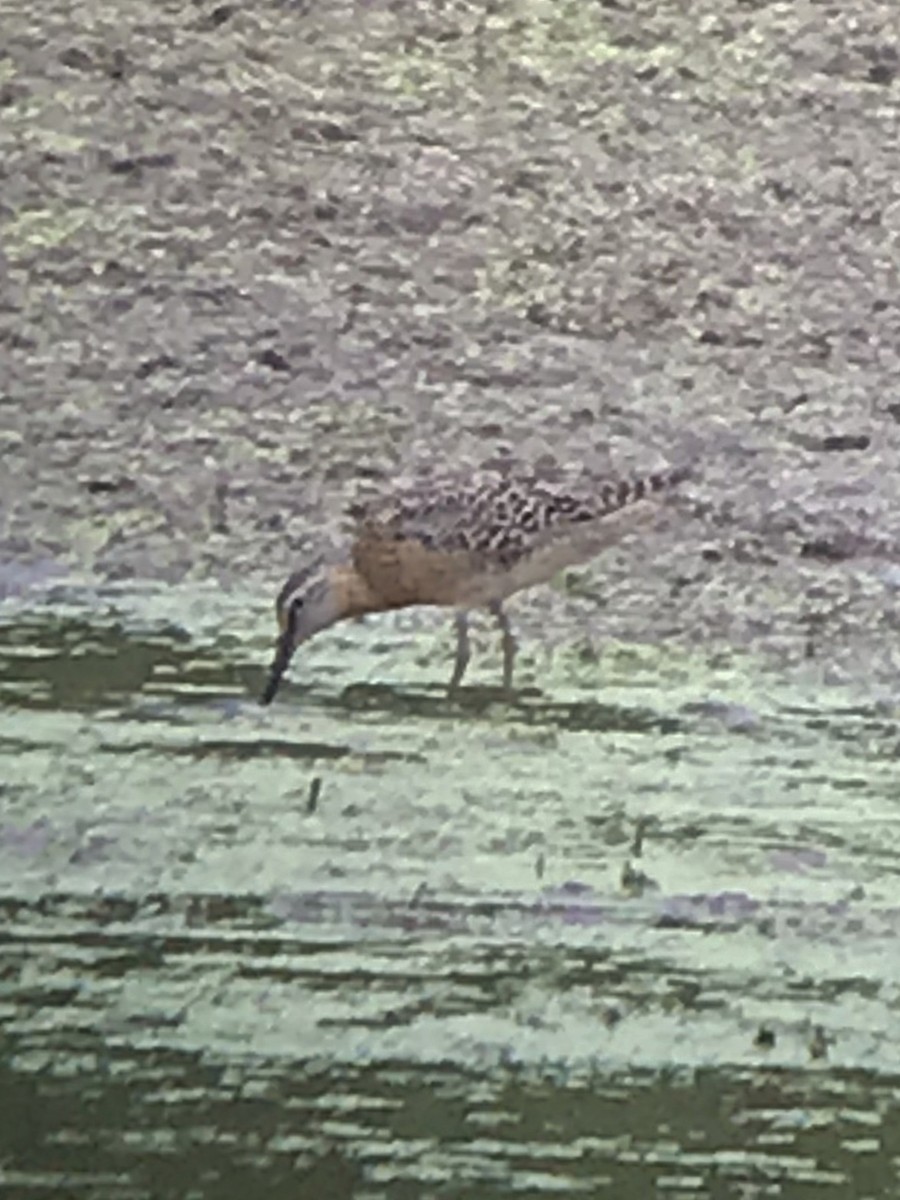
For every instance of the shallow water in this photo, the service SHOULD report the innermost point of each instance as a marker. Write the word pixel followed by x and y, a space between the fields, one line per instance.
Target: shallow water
pixel 632 934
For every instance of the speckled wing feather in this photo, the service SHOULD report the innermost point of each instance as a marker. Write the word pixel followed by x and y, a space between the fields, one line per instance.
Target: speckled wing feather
pixel 497 515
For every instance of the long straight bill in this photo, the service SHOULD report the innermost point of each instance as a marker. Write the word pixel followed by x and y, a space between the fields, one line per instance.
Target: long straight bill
pixel 284 651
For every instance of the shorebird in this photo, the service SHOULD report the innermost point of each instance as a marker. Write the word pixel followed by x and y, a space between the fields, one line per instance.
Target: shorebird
pixel 462 542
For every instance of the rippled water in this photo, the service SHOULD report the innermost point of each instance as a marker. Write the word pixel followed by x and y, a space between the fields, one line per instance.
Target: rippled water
pixel 634 934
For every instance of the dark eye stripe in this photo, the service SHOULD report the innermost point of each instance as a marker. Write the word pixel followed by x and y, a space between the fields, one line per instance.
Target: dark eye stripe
pixel 292 601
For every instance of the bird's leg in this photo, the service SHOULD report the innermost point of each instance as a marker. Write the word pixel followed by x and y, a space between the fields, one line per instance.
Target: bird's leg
pixel 510 645
pixel 463 650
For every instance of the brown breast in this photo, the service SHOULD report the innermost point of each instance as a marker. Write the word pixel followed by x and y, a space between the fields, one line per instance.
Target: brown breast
pixel 403 571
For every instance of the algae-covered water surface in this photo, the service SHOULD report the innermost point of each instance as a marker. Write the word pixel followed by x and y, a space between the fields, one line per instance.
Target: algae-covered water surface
pixel 630 933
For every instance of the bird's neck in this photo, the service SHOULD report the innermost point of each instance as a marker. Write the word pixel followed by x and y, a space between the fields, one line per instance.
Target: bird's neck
pixel 355 597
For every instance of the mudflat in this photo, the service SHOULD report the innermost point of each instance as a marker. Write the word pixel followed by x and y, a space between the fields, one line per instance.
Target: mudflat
pixel 255 256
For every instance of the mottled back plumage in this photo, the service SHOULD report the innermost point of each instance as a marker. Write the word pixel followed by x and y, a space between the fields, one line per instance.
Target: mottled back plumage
pixel 497 514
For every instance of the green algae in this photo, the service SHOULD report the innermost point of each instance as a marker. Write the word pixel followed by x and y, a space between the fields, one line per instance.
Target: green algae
pixel 456 910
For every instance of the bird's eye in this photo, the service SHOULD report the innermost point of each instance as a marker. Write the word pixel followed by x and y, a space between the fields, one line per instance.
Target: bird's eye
pixel 297 605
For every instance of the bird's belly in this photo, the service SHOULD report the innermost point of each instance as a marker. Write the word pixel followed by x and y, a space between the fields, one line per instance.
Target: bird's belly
pixel 496 583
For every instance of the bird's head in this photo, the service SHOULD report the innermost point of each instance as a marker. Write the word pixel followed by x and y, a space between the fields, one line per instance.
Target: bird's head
pixel 309 602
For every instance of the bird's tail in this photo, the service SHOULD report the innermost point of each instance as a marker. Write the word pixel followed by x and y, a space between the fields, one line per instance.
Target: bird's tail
pixel 627 491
